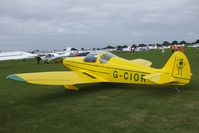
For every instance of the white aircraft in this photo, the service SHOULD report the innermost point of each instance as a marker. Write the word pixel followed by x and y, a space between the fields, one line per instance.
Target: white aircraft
pixel 194 46
pixel 83 53
pixel 17 55
pixel 153 46
pixel 57 56
pixel 127 49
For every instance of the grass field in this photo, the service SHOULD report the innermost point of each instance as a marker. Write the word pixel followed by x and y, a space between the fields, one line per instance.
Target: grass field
pixel 99 108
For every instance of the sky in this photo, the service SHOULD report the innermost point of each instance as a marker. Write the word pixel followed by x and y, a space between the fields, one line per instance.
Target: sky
pixel 57 24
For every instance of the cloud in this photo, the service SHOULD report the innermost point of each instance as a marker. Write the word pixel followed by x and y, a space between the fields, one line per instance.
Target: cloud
pixel 56 24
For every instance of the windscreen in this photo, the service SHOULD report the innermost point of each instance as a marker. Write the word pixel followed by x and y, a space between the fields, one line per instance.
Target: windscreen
pixel 106 57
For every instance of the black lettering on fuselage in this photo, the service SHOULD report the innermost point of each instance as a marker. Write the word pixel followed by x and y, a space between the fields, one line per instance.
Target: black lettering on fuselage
pixel 142 78
pixel 136 77
pixel 115 74
pixel 129 76
pixel 126 75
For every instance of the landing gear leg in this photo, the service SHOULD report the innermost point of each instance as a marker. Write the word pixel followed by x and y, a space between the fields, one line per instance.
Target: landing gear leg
pixel 177 89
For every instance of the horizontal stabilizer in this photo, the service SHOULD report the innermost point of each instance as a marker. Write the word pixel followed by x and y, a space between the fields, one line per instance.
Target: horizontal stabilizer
pixel 160 78
pixel 142 62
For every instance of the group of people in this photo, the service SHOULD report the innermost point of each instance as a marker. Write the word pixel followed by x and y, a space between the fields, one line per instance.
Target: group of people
pixel 176 47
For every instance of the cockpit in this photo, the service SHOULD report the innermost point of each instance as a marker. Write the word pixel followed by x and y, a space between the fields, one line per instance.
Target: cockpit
pixel 104 57
pixel 92 57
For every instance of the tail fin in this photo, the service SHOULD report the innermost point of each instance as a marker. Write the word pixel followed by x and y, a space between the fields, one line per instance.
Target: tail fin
pixel 178 67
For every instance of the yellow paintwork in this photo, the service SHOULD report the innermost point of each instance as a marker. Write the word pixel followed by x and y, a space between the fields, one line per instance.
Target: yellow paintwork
pixel 116 70
pixel 57 78
pixel 142 62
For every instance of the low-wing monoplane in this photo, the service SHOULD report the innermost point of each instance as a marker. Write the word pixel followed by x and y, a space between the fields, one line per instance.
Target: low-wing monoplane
pixel 57 56
pixel 16 55
pixel 107 67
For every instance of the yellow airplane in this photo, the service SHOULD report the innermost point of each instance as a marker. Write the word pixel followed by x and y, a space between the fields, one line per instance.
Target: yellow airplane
pixel 107 67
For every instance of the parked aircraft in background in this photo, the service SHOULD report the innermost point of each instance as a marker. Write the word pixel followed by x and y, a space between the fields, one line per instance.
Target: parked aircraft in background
pixel 109 68
pixel 194 46
pixel 129 48
pixel 57 56
pixel 83 53
pixel 18 55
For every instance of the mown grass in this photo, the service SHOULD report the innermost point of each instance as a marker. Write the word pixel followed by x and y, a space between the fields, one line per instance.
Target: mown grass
pixel 98 108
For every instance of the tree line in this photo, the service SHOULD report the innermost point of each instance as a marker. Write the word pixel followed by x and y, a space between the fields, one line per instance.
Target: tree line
pixel 164 43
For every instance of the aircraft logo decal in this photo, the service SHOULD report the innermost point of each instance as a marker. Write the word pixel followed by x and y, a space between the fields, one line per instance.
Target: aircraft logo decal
pixel 180 66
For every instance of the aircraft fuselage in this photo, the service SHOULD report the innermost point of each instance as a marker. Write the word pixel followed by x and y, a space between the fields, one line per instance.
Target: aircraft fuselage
pixel 111 72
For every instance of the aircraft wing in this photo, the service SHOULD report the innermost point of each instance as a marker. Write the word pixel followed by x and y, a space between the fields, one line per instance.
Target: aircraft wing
pixel 160 78
pixel 66 78
pixel 142 62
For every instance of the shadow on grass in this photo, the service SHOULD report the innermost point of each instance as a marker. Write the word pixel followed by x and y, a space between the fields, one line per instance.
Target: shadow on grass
pixel 101 88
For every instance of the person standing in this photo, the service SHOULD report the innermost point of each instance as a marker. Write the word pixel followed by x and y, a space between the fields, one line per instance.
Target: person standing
pixel 38 59
pixel 172 48
pixel 182 48
pixel 162 49
pixel 175 47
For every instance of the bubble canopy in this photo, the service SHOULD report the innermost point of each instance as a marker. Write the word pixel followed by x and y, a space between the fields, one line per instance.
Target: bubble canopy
pixel 104 57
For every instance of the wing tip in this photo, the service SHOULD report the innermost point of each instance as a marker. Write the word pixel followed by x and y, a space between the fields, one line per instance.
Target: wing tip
pixel 15 77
